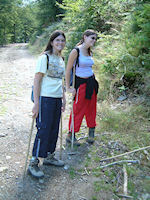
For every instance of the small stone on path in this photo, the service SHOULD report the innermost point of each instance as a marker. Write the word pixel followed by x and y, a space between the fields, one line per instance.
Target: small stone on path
pixel 66 167
pixel 3 169
pixel 41 181
pixel 3 134
pixel 8 157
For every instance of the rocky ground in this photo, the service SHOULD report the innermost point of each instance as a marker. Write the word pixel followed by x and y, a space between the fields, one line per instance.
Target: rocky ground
pixel 16 77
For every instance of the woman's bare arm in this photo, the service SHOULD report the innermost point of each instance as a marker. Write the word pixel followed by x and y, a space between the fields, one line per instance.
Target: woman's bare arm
pixel 37 88
pixel 71 59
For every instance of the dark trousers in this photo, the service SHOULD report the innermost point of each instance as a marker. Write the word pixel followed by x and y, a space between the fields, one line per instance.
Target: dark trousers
pixel 47 124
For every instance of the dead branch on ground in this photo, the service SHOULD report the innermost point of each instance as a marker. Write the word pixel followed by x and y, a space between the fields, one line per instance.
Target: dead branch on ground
pixel 123 154
pixel 120 162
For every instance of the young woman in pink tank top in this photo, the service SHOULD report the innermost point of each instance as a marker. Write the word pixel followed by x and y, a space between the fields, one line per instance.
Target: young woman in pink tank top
pixel 86 87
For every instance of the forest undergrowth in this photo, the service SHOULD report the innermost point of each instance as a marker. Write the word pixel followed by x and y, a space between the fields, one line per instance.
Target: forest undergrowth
pixel 122 127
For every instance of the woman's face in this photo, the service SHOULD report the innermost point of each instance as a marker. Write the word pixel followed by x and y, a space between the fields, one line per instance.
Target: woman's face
pixel 58 44
pixel 90 40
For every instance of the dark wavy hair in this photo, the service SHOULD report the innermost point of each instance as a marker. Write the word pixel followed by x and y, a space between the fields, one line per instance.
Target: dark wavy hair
pixel 54 35
pixel 88 32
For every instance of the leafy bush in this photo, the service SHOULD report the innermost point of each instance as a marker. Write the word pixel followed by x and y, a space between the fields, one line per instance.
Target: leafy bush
pixel 132 56
pixel 123 47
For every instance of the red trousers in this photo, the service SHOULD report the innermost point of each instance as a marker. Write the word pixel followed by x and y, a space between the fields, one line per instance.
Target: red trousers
pixel 83 107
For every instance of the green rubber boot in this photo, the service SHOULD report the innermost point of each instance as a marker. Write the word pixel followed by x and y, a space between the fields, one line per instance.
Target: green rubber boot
pixel 90 138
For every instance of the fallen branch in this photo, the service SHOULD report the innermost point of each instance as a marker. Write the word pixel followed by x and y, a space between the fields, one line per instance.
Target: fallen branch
pixel 123 154
pixel 82 198
pixel 72 153
pixel 116 196
pixel 86 171
pixel 120 162
pixel 124 196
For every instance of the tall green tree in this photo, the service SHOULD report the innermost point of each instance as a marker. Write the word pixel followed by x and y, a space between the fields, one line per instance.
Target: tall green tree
pixel 27 23
pixel 17 21
pixel 6 8
pixel 48 12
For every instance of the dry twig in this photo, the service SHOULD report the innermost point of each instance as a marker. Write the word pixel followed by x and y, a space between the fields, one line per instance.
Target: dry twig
pixel 124 196
pixel 86 171
pixel 120 162
pixel 123 154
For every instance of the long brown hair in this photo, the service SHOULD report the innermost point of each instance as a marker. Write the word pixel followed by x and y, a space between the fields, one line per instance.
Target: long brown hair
pixel 88 32
pixel 54 35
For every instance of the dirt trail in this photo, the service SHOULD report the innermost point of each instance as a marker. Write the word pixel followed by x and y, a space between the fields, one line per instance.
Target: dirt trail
pixel 16 77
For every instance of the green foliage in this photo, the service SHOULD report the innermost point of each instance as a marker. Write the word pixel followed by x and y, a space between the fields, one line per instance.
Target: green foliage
pixel 20 22
pixel 129 53
pixel 100 185
pixel 93 14
pixel 125 120
pixel 25 25
pixel 6 8
pixel 94 198
pixel 47 12
pixel 123 47
pixel 72 173
pixel 138 33
pixel 112 140
pixel 17 21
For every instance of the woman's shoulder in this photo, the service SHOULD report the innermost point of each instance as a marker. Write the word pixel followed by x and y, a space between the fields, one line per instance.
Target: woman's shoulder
pixel 74 52
pixel 43 56
pixel 46 55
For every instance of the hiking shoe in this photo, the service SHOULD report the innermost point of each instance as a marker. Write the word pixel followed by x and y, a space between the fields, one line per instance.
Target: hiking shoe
pixel 51 160
pixel 34 169
pixel 69 141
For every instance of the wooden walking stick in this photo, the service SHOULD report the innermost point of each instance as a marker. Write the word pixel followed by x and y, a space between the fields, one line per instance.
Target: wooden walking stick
pixel 30 136
pixel 73 86
pixel 60 155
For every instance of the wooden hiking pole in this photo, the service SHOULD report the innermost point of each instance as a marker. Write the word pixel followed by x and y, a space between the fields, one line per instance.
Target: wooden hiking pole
pixel 60 155
pixel 30 136
pixel 73 134
pixel 61 134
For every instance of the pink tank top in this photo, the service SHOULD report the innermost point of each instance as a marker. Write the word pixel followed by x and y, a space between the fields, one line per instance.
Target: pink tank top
pixel 85 66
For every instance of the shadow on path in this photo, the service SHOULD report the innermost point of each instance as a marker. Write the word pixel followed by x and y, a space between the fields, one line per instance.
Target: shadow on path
pixel 57 183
